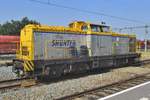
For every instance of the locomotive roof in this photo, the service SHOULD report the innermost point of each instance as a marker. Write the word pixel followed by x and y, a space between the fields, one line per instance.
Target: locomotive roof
pixel 72 30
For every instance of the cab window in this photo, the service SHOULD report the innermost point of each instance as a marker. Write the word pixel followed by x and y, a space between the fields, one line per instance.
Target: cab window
pixel 105 28
pixel 95 28
pixel 84 28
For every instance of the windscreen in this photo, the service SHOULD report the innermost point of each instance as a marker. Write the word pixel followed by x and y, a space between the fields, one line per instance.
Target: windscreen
pixel 99 28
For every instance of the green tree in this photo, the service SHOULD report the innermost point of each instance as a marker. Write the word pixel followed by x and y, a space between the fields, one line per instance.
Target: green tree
pixel 14 26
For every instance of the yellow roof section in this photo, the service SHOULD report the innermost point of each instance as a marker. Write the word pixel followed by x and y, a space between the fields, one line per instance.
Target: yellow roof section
pixel 45 28
pixel 71 30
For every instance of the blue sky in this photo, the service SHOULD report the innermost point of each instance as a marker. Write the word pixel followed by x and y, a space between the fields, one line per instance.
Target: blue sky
pixel 46 14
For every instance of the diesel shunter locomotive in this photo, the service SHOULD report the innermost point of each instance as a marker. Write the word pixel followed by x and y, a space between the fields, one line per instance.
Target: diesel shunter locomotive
pixel 52 51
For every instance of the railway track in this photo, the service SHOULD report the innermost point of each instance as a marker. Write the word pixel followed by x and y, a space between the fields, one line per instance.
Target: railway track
pixel 7 84
pixel 95 93
pixel 100 92
pixel 144 62
pixel 7 56
pixel 11 84
pixel 6 59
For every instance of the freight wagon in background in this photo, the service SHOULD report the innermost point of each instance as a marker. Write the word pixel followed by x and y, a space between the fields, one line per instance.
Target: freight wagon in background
pixel 141 45
pixel 52 51
pixel 9 44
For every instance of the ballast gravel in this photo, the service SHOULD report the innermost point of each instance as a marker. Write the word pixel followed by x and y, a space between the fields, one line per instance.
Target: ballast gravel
pixel 145 55
pixel 67 87
pixel 6 73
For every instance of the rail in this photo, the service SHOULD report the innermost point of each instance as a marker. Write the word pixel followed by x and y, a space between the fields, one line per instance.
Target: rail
pixel 112 88
pixel 12 83
pixel 101 91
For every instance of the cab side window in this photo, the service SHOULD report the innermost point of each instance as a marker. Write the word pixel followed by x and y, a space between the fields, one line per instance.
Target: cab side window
pixel 105 29
pixel 84 28
pixel 95 28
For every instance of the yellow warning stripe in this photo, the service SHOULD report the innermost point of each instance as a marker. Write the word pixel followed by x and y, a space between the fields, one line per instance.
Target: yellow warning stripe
pixel 26 67
pixel 31 63
pixel 30 66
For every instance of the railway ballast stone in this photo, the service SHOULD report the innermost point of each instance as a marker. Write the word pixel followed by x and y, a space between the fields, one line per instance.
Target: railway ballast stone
pixel 62 88
pixel 6 73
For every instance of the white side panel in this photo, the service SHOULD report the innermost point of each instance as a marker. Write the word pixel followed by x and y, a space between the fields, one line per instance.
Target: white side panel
pixel 57 45
pixel 120 45
pixel 101 45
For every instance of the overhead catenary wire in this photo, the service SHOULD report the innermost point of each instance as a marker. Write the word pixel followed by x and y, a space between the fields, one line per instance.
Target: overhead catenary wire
pixel 135 27
pixel 86 11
